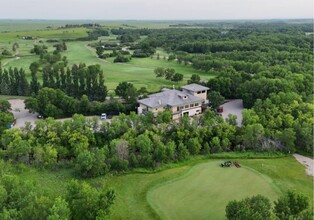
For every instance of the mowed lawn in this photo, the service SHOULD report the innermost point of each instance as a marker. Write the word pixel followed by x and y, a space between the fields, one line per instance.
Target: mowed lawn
pixel 206 189
pixel 203 186
pixel 139 71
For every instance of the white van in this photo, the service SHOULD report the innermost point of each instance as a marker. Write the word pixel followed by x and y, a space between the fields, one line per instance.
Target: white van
pixel 103 116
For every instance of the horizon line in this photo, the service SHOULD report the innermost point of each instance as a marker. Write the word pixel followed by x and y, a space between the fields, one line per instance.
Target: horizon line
pixel 148 19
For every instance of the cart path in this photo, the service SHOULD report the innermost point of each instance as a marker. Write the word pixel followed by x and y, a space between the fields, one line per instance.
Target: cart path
pixel 307 162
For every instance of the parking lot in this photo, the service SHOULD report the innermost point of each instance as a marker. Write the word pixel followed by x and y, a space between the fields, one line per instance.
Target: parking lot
pixel 22 115
pixel 234 107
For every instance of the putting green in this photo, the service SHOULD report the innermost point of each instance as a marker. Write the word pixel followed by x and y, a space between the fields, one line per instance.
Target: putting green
pixel 206 189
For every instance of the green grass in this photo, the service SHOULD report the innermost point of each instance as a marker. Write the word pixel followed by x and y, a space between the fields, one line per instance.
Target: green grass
pixel 8 97
pixel 140 71
pixel 271 175
pixel 206 189
pixel 286 173
pixel 48 34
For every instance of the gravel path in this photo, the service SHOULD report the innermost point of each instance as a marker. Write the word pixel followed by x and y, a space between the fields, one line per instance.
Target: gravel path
pixel 234 107
pixel 307 162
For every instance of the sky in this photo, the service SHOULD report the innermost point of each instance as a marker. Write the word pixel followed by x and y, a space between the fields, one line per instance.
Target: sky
pixel 155 9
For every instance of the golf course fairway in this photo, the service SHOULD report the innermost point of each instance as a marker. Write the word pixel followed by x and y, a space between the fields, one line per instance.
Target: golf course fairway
pixel 205 190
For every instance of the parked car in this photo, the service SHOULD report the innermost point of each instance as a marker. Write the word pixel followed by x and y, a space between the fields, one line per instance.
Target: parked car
pixel 103 116
pixel 39 116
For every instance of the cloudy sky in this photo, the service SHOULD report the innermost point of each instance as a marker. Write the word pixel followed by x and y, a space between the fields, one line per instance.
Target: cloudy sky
pixel 155 9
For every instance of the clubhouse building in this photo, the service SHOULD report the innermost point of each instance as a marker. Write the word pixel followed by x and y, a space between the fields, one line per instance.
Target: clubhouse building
pixel 189 101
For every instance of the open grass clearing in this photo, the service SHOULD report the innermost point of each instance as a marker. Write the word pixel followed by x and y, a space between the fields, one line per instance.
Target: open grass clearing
pixel 206 189
pixel 131 189
pixel 139 71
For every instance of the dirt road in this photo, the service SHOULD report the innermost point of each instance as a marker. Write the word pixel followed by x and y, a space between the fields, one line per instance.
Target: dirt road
pixel 307 162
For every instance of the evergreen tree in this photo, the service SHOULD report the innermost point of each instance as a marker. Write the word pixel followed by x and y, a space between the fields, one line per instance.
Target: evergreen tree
pixel 102 89
pixel 63 80
pixel 68 82
pixel 75 88
pixel 23 86
pixel 45 77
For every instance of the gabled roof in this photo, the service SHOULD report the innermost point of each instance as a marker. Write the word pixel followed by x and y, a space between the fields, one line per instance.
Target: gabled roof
pixel 169 97
pixel 195 87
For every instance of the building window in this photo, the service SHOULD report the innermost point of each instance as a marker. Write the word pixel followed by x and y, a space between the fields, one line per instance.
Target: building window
pixel 196 104
pixel 199 92
pixel 187 106
pixel 192 105
pixel 181 107
pixel 178 108
pixel 186 113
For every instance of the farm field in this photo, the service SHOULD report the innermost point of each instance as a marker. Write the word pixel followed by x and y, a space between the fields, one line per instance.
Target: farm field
pixel 269 177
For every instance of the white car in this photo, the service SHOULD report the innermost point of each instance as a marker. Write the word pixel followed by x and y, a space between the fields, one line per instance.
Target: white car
pixel 103 116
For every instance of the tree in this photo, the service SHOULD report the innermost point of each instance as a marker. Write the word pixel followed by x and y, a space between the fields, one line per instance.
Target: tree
pixel 164 117
pixel 254 208
pixel 253 135
pixel 195 78
pixel 215 99
pixel 193 146
pixel 232 120
pixel 87 203
pixel 169 72
pixel 91 163
pixel 60 210
pixel 5 105
pixel 126 91
pixel 291 205
pixel 159 72
pixel 177 77
pixel 34 85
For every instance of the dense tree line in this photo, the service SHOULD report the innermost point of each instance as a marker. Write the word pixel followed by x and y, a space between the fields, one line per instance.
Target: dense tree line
pixel 291 205
pixel 14 82
pixel 55 103
pixel 77 81
pixel 129 141
pixel 92 35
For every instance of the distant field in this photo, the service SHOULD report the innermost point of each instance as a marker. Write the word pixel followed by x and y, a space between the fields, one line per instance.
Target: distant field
pixel 261 176
pixel 31 25
pixel 48 34
pixel 139 71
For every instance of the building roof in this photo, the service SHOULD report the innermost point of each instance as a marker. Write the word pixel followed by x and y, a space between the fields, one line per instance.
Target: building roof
pixel 195 87
pixel 169 97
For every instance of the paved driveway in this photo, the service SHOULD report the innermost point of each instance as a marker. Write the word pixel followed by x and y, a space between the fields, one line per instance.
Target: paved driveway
pixel 234 107
pixel 21 114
